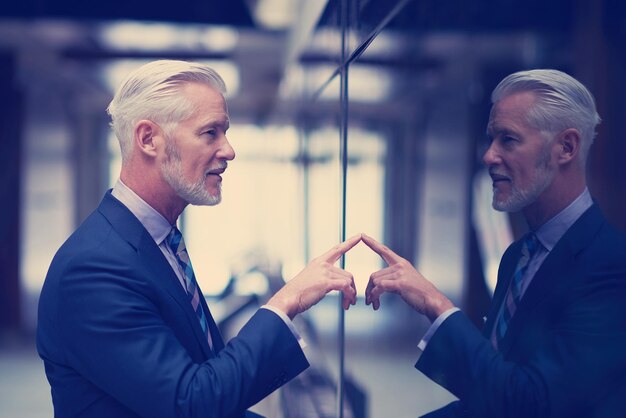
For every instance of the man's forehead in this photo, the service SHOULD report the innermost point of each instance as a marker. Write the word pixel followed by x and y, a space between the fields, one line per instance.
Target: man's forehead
pixel 511 108
pixel 506 123
pixel 217 118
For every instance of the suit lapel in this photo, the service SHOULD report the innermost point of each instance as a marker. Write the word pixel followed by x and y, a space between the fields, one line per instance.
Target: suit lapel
pixel 557 271
pixel 129 228
pixel 551 275
pixel 168 280
pixel 216 336
pixel 505 273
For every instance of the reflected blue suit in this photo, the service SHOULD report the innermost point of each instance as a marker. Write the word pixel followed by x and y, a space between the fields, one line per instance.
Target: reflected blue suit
pixel 564 353
pixel 119 338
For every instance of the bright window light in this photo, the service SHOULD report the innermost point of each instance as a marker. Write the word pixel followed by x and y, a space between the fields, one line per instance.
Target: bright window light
pixel 115 158
pixel 219 38
pixel 140 36
pixel 259 219
pixel 366 84
pixel 275 14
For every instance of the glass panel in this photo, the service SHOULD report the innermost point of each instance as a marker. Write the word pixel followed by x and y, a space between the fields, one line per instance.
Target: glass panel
pixel 312 87
pixel 387 120
pixel 324 209
pixel 368 88
pixel 365 19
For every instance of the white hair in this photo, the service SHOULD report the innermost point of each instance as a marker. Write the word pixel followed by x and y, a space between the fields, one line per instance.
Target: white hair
pixel 152 92
pixel 561 102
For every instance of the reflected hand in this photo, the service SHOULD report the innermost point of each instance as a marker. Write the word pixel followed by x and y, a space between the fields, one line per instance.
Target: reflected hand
pixel 402 278
pixel 318 278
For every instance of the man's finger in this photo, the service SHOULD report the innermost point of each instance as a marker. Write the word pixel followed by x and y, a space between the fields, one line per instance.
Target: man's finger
pixel 389 256
pixel 340 271
pixel 368 290
pixel 338 250
pixel 371 283
pixel 381 287
pixel 355 291
pixel 347 288
pixel 350 290
pixel 349 298
pixel 387 271
pixel 374 300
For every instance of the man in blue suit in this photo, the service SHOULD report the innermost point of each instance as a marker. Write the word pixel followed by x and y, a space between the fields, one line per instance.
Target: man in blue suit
pixel 123 328
pixel 554 343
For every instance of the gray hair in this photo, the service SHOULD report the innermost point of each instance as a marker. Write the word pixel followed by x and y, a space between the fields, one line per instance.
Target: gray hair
pixel 152 92
pixel 562 102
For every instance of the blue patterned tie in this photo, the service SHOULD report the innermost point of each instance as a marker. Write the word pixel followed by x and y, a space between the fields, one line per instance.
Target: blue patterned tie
pixel 529 247
pixel 177 245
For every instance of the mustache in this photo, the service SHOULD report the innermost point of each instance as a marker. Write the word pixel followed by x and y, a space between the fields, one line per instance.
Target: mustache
pixel 223 165
pixel 494 173
pixel 218 169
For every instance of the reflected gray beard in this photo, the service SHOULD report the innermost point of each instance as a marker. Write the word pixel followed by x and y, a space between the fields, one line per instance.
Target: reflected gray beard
pixel 193 193
pixel 520 198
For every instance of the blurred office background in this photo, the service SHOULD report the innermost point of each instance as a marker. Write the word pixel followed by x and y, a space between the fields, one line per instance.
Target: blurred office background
pixel 346 115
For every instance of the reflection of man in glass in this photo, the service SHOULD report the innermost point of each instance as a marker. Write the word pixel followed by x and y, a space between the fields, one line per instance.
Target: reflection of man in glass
pixel 554 344
pixel 124 330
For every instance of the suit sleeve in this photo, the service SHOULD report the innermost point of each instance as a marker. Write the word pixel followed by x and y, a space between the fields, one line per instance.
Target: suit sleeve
pixel 113 333
pixel 574 362
pixel 460 359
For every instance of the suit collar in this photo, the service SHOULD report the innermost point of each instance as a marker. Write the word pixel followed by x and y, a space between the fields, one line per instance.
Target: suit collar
pixel 551 232
pixel 584 229
pixel 157 226
pixel 123 221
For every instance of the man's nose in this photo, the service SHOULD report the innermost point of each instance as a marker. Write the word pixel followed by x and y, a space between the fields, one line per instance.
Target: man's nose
pixel 227 152
pixel 491 157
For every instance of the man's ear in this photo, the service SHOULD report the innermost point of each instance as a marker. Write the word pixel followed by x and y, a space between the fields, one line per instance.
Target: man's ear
pixel 568 142
pixel 145 136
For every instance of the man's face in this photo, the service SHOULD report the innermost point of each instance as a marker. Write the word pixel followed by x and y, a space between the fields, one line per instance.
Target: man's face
pixel 198 151
pixel 519 156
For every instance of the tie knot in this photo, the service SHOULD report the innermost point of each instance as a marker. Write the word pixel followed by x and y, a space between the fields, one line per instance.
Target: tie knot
pixel 175 240
pixel 531 245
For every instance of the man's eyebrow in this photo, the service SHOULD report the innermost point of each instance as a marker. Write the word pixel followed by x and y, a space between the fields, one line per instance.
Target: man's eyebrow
pixel 216 122
pixel 493 130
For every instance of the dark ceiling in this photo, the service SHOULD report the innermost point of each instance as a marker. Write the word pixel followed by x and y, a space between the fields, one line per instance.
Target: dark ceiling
pixel 430 40
pixel 230 12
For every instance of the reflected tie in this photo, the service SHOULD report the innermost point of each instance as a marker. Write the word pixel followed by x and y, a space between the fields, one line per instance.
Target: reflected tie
pixel 529 247
pixel 177 245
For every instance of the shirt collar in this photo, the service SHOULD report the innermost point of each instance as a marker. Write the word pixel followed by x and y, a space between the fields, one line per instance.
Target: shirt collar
pixel 551 232
pixel 157 226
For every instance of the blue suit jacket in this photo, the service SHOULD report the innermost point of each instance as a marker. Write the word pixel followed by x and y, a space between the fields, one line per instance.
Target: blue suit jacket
pixel 119 338
pixel 564 353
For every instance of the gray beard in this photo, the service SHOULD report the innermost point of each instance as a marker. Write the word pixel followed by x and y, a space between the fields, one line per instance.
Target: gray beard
pixel 193 193
pixel 520 198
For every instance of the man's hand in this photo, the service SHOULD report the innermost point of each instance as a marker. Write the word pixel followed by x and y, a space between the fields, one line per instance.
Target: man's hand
pixel 402 278
pixel 316 280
